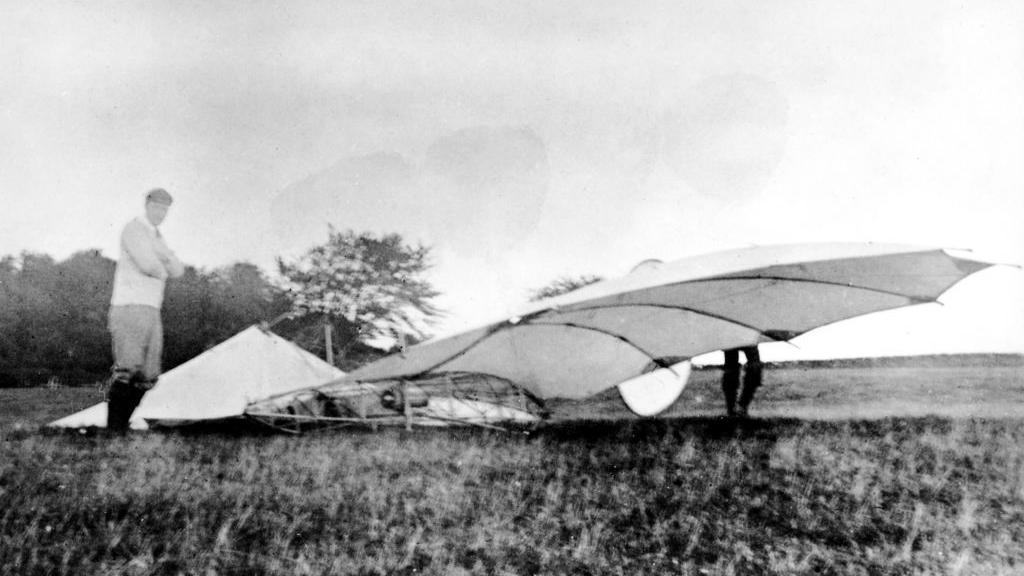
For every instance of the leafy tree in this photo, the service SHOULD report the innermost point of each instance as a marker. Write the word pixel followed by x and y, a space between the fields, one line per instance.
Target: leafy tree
pixel 247 295
pixel 8 315
pixel 562 285
pixel 53 315
pixel 368 286
pixel 202 309
pixel 36 333
pixel 53 319
pixel 82 295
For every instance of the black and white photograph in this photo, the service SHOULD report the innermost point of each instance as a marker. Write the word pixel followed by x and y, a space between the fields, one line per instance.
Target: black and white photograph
pixel 489 288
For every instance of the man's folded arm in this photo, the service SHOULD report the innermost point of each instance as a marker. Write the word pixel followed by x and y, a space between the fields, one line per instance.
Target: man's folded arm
pixel 139 247
pixel 174 267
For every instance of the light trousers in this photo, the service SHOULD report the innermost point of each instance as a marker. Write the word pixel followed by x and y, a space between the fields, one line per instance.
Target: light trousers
pixel 138 339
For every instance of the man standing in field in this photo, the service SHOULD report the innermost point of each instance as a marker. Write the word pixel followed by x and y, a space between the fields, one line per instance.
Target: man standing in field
pixel 136 332
pixel 731 380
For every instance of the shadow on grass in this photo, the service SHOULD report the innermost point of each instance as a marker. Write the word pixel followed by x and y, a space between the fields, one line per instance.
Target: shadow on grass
pixel 650 428
pixel 628 430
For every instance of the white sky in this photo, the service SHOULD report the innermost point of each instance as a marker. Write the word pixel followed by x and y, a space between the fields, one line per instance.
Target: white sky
pixel 529 140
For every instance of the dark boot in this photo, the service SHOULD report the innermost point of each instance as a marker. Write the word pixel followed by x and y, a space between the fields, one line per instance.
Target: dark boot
pixel 731 380
pixel 751 379
pixel 141 382
pixel 122 399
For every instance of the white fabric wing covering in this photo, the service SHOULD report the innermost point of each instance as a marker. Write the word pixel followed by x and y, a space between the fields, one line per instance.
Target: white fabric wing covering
pixel 652 393
pixel 220 382
pixel 588 340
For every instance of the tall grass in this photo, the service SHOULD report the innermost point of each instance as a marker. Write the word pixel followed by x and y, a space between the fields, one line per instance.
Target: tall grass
pixel 644 497
pixel 685 494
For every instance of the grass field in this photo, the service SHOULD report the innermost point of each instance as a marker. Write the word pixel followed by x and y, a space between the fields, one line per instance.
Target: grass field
pixel 927 477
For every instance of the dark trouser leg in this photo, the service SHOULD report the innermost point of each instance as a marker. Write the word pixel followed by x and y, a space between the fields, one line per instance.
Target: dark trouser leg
pixel 122 399
pixel 751 378
pixel 731 380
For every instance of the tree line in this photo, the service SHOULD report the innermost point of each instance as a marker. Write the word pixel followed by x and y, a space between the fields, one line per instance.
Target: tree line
pixel 53 314
pixel 367 288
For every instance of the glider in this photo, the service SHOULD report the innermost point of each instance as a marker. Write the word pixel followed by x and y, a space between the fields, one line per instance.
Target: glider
pixel 636 332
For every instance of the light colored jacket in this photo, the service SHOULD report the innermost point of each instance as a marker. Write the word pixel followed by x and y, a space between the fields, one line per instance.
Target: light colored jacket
pixel 144 266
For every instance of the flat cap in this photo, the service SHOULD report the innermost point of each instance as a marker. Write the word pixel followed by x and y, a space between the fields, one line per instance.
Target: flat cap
pixel 160 196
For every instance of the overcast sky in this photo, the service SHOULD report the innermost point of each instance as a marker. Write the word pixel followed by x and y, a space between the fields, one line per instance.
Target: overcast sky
pixel 529 140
